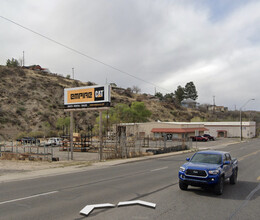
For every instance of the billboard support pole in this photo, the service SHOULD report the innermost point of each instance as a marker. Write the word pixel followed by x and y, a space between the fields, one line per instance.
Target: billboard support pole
pixel 71 134
pixel 100 137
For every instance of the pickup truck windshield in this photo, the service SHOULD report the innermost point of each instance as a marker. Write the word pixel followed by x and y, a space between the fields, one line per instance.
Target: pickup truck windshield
pixel 207 158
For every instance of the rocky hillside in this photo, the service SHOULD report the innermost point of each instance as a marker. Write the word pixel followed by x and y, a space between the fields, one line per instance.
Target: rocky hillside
pixel 32 101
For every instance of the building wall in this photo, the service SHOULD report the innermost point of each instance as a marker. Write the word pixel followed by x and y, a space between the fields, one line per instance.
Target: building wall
pixel 144 129
pixel 232 128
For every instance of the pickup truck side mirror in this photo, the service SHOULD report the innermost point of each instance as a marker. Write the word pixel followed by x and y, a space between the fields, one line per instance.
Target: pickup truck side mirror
pixel 188 159
pixel 226 162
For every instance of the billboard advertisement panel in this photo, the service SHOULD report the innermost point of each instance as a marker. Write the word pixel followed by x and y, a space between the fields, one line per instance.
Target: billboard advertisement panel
pixel 87 97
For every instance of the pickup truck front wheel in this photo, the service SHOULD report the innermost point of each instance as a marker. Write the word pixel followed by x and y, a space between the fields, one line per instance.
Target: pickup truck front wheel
pixel 219 186
pixel 182 185
pixel 233 178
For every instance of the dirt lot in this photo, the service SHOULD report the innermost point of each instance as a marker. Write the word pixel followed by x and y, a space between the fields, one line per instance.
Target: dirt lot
pixel 14 167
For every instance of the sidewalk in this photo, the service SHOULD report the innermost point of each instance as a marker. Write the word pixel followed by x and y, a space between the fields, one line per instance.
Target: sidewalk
pixel 21 170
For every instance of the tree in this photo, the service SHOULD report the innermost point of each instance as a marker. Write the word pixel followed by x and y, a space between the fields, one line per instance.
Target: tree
pixel 168 97
pixel 190 91
pixel 123 113
pixel 46 126
pixel 179 94
pixel 136 89
pixel 159 95
pixel 63 124
pixel 12 63
pixel 139 112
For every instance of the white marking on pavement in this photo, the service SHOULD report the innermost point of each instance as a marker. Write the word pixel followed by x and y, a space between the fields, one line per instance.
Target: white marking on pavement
pixel 162 168
pixel 89 208
pixel 140 202
pixel 245 202
pixel 248 155
pixel 28 197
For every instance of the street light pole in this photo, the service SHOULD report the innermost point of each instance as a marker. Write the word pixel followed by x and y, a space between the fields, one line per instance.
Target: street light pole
pixel 241 135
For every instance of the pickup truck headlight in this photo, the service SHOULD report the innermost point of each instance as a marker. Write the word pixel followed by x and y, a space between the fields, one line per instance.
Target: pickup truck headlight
pixel 214 172
pixel 182 169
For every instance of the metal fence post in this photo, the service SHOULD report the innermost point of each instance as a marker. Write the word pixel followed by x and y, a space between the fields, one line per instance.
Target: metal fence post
pixel 100 137
pixel 164 141
pixel 71 134
pixel 44 150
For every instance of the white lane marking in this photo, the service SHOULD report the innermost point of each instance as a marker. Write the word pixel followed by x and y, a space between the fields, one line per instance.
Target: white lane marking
pixel 140 202
pixel 89 208
pixel 28 197
pixel 246 201
pixel 162 168
pixel 248 155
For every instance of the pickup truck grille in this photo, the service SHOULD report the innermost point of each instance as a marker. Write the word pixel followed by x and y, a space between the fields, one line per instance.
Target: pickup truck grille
pixel 199 173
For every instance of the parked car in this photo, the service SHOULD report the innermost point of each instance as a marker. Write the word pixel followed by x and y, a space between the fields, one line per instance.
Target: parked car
pixel 208 168
pixel 28 140
pixel 211 138
pixel 199 138
pixel 55 141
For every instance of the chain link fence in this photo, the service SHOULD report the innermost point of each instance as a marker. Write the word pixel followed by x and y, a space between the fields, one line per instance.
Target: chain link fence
pixel 86 149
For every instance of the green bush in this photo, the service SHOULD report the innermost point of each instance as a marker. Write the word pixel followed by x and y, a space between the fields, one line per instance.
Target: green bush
pixel 20 110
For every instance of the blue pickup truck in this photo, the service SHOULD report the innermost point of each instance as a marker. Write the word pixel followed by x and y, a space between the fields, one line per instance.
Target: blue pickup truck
pixel 208 168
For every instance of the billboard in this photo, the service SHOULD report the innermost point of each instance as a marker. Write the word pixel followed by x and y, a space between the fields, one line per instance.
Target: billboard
pixel 87 97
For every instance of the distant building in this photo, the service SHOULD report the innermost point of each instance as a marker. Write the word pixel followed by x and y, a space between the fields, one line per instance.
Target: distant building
pixel 231 129
pixel 37 68
pixel 34 67
pixel 214 108
pixel 186 129
pixel 159 129
pixel 189 103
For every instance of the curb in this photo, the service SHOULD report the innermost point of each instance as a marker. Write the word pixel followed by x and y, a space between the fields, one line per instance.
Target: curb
pixel 95 165
pixel 77 168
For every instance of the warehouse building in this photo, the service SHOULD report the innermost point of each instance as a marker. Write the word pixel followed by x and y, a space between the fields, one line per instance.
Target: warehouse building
pixel 231 129
pixel 176 130
pixel 186 129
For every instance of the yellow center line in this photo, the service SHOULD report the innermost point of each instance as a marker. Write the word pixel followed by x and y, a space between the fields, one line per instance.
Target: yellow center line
pixel 245 156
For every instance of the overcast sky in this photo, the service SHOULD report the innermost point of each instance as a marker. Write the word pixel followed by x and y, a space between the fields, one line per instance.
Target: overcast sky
pixel 215 44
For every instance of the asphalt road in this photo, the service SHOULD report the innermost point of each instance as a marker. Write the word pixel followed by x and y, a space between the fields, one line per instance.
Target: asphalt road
pixel 154 180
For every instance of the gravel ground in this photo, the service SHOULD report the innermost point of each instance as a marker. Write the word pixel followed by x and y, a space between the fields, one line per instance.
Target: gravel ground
pixel 83 159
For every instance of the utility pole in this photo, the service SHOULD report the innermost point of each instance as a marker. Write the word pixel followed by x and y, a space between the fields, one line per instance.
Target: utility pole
pixel 23 58
pixel 100 137
pixel 241 133
pixel 214 104
pixel 72 72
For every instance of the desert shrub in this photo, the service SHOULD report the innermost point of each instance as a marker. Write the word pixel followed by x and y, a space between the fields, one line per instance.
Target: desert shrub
pixel 20 110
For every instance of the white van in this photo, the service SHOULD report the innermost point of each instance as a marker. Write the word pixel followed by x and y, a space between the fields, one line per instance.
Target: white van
pixel 55 141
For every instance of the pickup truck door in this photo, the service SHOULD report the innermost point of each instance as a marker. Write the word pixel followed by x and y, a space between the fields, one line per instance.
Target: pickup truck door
pixel 227 168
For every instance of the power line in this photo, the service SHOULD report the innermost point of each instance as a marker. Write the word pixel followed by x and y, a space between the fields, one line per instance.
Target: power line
pixel 83 54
